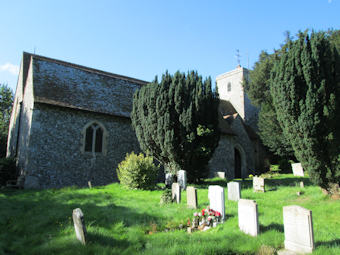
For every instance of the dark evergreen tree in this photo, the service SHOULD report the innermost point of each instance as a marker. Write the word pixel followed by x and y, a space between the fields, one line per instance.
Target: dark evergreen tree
pixel 305 88
pixel 176 122
pixel 6 101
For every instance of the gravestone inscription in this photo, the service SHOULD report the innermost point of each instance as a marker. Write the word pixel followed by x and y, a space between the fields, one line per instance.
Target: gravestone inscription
pixel 248 217
pixel 79 225
pixel 192 197
pixel 216 199
pixel 176 192
pixel 234 191
pixel 298 228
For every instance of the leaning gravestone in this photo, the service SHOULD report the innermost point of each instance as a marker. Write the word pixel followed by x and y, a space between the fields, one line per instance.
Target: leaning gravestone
pixel 248 217
pixel 297 169
pixel 234 191
pixel 182 179
pixel 192 197
pixel 79 225
pixel 298 227
pixel 258 184
pixel 216 198
pixel 176 192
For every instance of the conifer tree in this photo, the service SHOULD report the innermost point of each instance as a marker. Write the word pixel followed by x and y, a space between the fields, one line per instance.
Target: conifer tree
pixel 305 88
pixel 176 122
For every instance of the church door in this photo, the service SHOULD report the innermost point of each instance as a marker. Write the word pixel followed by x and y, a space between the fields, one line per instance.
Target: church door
pixel 238 173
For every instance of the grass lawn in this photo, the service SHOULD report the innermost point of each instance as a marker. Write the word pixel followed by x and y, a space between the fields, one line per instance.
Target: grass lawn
pixel 121 221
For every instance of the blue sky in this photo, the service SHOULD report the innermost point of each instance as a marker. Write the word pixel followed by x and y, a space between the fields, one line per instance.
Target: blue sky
pixel 143 38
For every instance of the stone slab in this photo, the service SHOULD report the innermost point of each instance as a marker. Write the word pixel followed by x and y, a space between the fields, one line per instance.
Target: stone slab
pixel 217 199
pixel 192 197
pixel 258 184
pixel 297 169
pixel 298 228
pixel 182 179
pixel 79 225
pixel 248 217
pixel 220 175
pixel 234 191
pixel 176 192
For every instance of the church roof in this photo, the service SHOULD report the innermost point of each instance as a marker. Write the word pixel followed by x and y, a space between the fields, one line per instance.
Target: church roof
pixel 69 85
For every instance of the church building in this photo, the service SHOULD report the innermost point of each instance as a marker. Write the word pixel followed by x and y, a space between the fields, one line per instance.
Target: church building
pixel 70 124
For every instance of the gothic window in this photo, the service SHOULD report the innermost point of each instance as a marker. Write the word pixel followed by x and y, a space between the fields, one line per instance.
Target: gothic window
pixel 229 86
pixel 94 138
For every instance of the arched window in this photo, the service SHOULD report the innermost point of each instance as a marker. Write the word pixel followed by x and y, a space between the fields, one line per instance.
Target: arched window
pixel 229 86
pixel 94 138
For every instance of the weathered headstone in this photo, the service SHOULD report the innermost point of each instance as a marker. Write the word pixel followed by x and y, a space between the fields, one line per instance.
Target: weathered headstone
pixel 234 191
pixel 220 175
pixel 79 225
pixel 297 169
pixel 176 192
pixel 216 198
pixel 298 228
pixel 89 183
pixel 192 197
pixel 169 179
pixel 302 185
pixel 182 179
pixel 248 217
pixel 258 184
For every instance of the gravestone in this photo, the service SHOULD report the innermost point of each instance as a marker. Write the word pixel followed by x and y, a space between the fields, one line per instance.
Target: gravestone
pixel 298 228
pixel 258 184
pixel 89 183
pixel 182 179
pixel 169 179
pixel 220 175
pixel 192 197
pixel 79 225
pixel 248 217
pixel 234 191
pixel 216 198
pixel 297 169
pixel 176 192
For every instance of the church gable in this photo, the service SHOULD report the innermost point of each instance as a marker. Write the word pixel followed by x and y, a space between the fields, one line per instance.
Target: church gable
pixel 63 84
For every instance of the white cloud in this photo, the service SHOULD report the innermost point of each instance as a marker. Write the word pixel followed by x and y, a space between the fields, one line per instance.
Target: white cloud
pixel 8 67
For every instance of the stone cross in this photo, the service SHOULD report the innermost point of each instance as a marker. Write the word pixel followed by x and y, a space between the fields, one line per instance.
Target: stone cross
pixel 176 192
pixel 297 169
pixel 298 227
pixel 258 184
pixel 234 191
pixel 248 217
pixel 79 225
pixel 182 179
pixel 217 200
pixel 192 197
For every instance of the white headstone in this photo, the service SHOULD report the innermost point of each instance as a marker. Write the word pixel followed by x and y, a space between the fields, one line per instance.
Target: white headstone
pixel 169 179
pixel 216 198
pixel 176 192
pixel 220 175
pixel 234 191
pixel 258 184
pixel 297 169
pixel 298 227
pixel 192 197
pixel 182 179
pixel 248 217
pixel 79 225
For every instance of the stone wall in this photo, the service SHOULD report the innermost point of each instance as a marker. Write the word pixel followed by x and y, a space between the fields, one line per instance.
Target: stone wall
pixel 55 149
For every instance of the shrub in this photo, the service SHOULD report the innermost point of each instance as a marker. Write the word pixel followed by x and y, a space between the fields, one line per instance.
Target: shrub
pixel 166 197
pixel 8 170
pixel 137 171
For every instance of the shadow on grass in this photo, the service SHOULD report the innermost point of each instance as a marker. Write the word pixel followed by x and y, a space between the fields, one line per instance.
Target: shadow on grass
pixel 272 226
pixel 272 184
pixel 329 244
pixel 216 181
pixel 105 240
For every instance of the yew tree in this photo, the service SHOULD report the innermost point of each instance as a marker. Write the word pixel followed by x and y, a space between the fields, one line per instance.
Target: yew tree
pixel 176 121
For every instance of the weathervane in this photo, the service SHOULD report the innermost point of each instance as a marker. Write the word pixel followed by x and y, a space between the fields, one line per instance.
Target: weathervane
pixel 238 56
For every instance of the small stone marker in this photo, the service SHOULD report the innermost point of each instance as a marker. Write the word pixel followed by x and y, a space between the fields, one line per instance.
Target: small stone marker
pixel 234 191
pixel 297 169
pixel 220 175
pixel 176 192
pixel 216 198
pixel 298 227
pixel 258 184
pixel 182 179
pixel 79 225
pixel 248 217
pixel 302 185
pixel 89 184
pixel 192 197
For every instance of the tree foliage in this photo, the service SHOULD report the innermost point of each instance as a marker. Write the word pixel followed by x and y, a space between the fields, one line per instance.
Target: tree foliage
pixel 305 88
pixel 6 101
pixel 176 121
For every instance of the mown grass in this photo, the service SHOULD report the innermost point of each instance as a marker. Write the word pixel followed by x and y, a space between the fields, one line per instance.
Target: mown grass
pixel 121 221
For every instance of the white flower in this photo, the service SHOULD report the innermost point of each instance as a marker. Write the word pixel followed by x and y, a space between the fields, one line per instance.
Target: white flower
pixel 195 214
